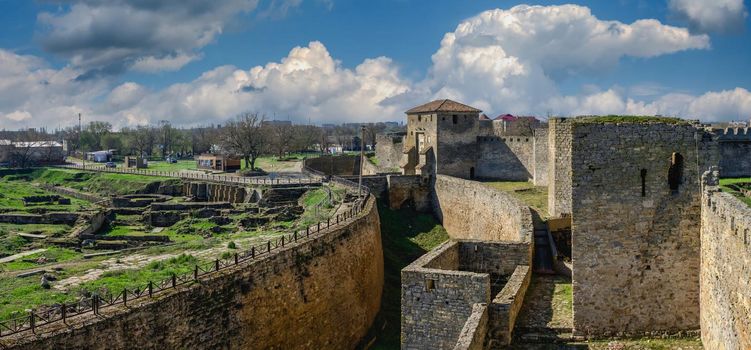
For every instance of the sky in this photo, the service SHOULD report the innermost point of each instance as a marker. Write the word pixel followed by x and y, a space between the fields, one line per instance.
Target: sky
pixel 203 62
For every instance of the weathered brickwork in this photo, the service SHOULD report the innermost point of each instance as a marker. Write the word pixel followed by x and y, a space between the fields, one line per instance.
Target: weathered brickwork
pixel 559 167
pixel 456 144
pixel 504 158
pixel 441 290
pixel 472 336
pixel 505 307
pixel 635 236
pixel 318 294
pixel 471 210
pixel 540 171
pixel 725 272
pixel 437 299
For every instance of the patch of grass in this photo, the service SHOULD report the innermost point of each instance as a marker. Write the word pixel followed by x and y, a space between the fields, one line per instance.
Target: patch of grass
pixel 53 255
pixel 102 183
pixel 724 185
pixel 533 196
pixel 632 119
pixel 12 193
pixel 406 235
pixel 646 344
pixel 115 281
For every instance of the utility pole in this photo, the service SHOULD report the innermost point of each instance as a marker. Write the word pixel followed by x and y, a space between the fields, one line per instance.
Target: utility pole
pixel 80 145
pixel 362 160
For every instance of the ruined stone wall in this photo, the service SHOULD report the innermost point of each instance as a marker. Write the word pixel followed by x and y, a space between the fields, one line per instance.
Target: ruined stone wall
pixel 472 336
pixel 725 272
pixel 390 149
pixel 457 144
pixel 318 294
pixel 540 149
pixel 437 300
pixel 635 252
pixel 559 167
pixel 504 158
pixel 215 192
pixel 442 289
pixel 471 210
pixel 412 190
pixel 334 165
pixel 506 306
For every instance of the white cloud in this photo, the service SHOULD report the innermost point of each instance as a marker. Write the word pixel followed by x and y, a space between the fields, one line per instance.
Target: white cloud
pixel 711 15
pixel 17 116
pixel 308 83
pixel 500 61
pixel 512 59
pixel 108 37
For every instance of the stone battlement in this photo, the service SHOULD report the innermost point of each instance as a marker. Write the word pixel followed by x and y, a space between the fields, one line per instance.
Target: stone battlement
pixel 733 134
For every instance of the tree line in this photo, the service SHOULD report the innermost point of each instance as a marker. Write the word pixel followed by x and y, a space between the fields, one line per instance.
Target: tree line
pixel 247 136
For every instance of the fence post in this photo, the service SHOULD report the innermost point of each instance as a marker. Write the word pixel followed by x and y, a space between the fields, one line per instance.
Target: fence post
pixel 63 311
pixel 174 280
pixel 328 222
pixel 268 243
pixel 216 264
pixel 195 273
pixel 95 304
pixel 151 289
pixel 282 240
pixel 319 227
pixel 31 321
pixel 125 297
pixel 307 231
pixel 295 236
pixel 236 259
pixel 252 252
pixel 337 219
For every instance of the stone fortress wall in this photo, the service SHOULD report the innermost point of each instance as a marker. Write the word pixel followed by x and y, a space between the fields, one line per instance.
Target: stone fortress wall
pixel 505 157
pixel 725 271
pixel 319 293
pixel 540 149
pixel 635 234
pixel 559 167
pixel 735 151
pixel 471 210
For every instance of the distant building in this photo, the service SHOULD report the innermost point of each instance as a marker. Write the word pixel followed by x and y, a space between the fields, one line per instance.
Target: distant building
pixel 135 162
pixel 217 162
pixel 31 153
pixel 276 122
pixel 516 125
pixel 99 156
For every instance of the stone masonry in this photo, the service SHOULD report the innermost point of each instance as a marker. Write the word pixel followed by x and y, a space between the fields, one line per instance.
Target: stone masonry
pixel 635 231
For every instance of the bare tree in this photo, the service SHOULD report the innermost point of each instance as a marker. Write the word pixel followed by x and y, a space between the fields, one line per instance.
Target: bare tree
pixel 280 138
pixel 141 139
pixel 244 137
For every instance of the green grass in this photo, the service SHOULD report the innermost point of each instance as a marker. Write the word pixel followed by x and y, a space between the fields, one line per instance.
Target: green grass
pixel 533 196
pixel 724 186
pixel 406 235
pixel 53 255
pixel 632 119
pixel 373 159
pixel 12 193
pixel 155 271
pixel 11 243
pixel 97 182
pixel 187 164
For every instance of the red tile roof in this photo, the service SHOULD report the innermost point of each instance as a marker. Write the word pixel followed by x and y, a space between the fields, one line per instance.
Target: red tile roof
pixel 442 106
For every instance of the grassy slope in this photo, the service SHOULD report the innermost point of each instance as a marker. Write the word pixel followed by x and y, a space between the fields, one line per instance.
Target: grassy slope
pixel 406 236
pixel 101 183
pixel 725 182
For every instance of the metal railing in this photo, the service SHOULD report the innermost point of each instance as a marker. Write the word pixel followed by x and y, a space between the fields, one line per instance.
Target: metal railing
pixel 44 315
pixel 195 176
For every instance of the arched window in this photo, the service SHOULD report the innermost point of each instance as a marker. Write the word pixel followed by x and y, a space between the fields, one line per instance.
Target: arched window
pixel 675 172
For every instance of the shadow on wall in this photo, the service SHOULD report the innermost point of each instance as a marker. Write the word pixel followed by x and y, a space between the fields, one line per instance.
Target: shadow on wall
pixel 406 235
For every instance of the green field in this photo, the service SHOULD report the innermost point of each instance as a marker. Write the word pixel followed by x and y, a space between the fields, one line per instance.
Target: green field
pixel 95 182
pixel 724 186
pixel 533 196
pixel 13 189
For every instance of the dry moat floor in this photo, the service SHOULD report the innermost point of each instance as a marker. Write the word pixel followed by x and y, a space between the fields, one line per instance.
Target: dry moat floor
pixel 546 321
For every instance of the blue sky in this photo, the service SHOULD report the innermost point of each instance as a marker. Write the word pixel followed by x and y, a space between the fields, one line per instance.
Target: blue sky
pixel 192 62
